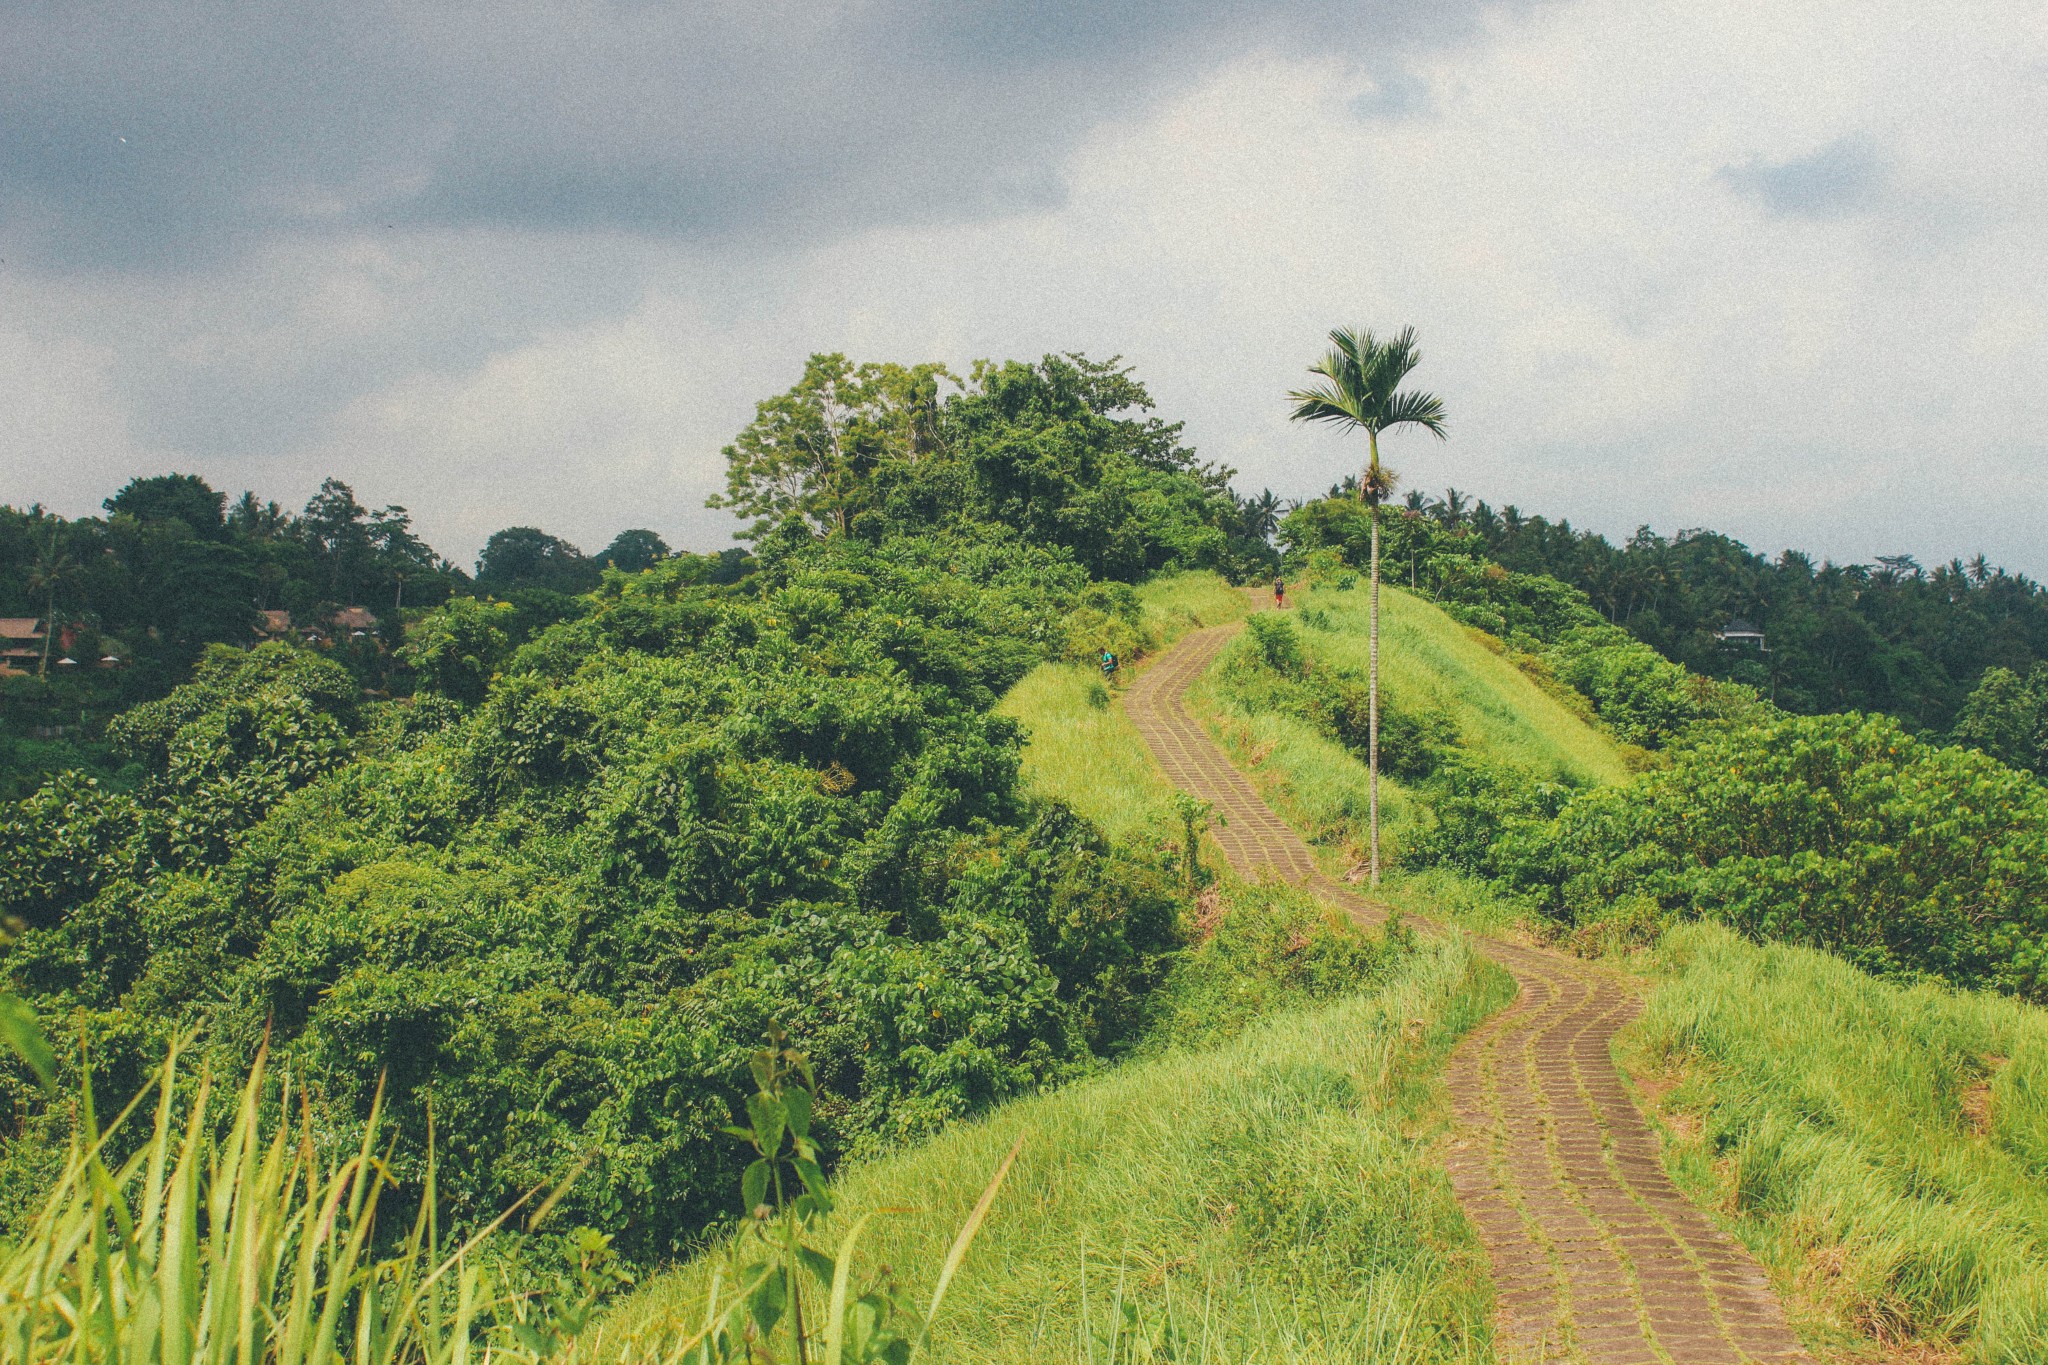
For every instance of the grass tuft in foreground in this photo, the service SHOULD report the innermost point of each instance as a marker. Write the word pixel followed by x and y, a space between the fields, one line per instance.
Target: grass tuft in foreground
pixel 1882 1149
pixel 227 1236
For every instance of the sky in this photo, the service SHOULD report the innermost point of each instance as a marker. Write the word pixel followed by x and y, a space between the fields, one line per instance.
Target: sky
pixel 1771 269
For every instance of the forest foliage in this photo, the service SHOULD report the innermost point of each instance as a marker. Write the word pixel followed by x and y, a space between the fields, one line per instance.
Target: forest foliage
pixel 1892 635
pixel 1911 858
pixel 549 855
pixel 551 895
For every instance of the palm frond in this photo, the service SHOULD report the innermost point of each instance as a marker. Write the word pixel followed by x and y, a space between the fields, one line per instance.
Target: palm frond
pixel 1424 410
pixel 1326 403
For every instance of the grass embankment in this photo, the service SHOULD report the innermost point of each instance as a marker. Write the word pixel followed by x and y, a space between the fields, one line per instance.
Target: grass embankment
pixel 1176 603
pixel 1081 747
pixel 1882 1150
pixel 1275 1198
pixel 1429 662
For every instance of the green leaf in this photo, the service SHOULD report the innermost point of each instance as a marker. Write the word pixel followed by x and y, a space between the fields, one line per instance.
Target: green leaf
pixel 769 1120
pixel 754 1185
pixel 768 1301
pixel 817 1262
pixel 18 1026
pixel 796 1104
pixel 814 1181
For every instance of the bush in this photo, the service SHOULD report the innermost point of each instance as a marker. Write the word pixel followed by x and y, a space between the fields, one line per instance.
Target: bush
pixel 559 909
pixel 1841 832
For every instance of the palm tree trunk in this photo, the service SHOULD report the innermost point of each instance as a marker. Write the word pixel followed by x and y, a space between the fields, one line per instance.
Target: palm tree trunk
pixel 1372 715
pixel 49 631
pixel 1372 727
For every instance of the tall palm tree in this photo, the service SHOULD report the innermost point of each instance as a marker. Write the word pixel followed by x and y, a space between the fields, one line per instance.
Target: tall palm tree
pixel 53 571
pixel 1361 392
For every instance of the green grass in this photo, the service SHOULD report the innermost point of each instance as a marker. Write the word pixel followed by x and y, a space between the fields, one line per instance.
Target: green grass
pixel 1275 1198
pixel 1450 896
pixel 1429 660
pixel 1883 1150
pixel 1315 783
pixel 1176 603
pixel 1426 660
pixel 224 1237
pixel 1082 748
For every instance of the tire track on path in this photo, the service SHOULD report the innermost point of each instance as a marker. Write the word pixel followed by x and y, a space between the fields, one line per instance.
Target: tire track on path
pixel 1596 1256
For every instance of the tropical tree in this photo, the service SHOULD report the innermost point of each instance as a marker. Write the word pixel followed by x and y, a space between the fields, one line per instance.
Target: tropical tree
pixel 1361 391
pixel 53 572
pixel 1262 515
pixel 813 450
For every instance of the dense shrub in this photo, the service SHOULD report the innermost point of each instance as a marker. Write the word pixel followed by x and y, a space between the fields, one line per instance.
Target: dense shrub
pixel 2006 716
pixel 1841 832
pixel 555 900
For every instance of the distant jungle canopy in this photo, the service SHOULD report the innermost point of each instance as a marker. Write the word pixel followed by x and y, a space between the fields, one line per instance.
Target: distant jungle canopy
pixel 1891 636
pixel 1063 451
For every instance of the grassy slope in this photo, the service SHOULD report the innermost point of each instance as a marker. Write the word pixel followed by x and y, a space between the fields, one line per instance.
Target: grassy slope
pixel 1081 747
pixel 1177 603
pixel 1427 659
pixel 1883 1150
pixel 1275 1198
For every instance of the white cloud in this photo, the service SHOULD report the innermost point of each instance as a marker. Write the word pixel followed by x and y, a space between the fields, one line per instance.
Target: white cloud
pixel 1621 333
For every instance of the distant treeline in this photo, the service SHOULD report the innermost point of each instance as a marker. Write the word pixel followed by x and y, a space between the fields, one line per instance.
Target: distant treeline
pixel 173 566
pixel 1891 636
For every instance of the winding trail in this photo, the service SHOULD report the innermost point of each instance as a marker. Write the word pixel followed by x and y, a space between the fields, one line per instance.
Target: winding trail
pixel 1596 1256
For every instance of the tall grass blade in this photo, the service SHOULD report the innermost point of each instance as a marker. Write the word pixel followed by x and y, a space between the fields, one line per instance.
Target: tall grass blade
pixel 842 1276
pixel 961 1243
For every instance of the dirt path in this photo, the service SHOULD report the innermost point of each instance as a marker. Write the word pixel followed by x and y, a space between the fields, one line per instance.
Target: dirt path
pixel 1596 1255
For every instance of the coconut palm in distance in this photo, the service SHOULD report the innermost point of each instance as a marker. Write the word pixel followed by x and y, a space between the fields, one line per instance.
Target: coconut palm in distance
pixel 1361 391
pixel 53 572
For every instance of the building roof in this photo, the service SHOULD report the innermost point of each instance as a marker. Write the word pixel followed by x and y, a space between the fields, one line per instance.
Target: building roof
pixel 21 627
pixel 355 618
pixel 275 622
pixel 1738 626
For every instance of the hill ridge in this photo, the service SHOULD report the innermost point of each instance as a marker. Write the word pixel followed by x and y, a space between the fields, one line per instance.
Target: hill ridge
pixel 1596 1255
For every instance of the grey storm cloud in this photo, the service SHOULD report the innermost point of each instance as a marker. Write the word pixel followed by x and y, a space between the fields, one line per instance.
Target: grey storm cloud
pixel 145 135
pixel 1841 179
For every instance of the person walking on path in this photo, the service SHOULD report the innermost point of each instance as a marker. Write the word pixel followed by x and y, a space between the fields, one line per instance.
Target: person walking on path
pixel 1279 594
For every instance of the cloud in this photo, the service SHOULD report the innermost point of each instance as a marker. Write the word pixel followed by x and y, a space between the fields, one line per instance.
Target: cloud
pixel 606 245
pixel 147 134
pixel 1395 94
pixel 1841 179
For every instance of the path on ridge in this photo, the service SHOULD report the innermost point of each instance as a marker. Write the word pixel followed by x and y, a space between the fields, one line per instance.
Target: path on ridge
pixel 1596 1256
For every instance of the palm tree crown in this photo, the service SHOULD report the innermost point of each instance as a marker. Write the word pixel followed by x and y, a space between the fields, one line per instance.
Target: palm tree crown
pixel 1361 391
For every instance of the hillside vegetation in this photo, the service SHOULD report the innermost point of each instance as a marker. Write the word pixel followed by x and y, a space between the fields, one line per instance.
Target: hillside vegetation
pixel 1881 1145
pixel 495 911
pixel 1288 701
pixel 1080 748
pixel 1892 636
pixel 1270 1198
